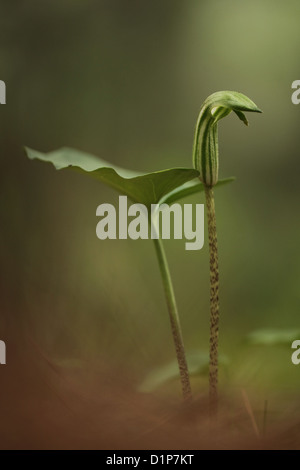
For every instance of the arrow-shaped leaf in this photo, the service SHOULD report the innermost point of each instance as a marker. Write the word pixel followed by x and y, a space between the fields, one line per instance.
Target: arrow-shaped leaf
pixel 145 188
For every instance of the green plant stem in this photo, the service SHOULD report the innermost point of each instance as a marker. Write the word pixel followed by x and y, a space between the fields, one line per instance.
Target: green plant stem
pixel 214 301
pixel 174 319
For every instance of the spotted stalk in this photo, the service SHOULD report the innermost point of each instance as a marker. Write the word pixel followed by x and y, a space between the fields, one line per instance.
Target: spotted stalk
pixel 206 161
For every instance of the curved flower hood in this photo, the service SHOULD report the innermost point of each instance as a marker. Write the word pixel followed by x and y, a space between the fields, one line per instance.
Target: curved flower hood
pixel 215 107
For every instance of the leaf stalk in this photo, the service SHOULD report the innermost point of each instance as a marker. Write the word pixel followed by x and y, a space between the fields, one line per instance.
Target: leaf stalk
pixel 174 319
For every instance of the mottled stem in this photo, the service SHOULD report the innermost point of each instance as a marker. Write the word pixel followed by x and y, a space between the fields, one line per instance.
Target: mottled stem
pixel 174 319
pixel 214 301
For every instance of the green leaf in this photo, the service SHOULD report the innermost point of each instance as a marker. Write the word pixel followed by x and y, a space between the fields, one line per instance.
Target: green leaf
pixel 273 336
pixel 198 363
pixel 144 188
pixel 189 188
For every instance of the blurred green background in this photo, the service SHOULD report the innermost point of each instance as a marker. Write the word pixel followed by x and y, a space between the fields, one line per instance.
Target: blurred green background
pixel 125 80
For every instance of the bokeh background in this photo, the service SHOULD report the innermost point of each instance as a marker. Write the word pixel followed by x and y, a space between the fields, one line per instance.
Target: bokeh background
pixel 125 80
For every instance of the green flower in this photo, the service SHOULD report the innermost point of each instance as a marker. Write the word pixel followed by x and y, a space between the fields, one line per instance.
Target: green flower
pixel 215 107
